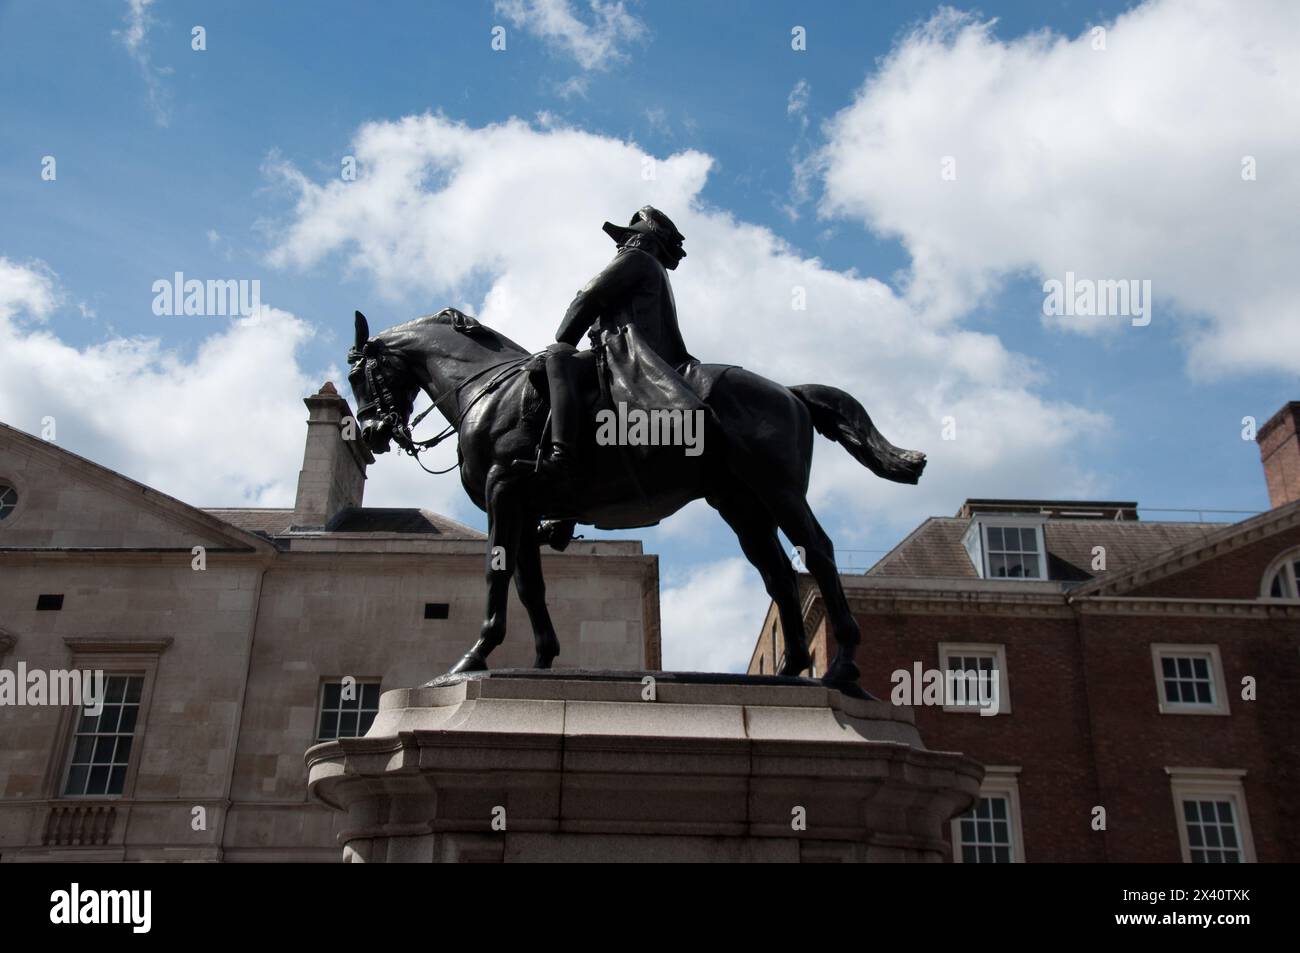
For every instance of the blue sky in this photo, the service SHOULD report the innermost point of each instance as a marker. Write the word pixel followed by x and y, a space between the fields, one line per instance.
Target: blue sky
pixel 225 163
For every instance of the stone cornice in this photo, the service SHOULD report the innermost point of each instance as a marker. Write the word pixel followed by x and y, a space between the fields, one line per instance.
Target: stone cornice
pixel 1219 608
pixel 942 601
pixel 104 646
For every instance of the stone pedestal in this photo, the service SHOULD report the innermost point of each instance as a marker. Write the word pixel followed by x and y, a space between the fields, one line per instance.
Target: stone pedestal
pixel 599 766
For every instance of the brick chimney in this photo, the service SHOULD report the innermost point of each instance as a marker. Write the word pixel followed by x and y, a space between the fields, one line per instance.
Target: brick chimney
pixel 333 475
pixel 1279 449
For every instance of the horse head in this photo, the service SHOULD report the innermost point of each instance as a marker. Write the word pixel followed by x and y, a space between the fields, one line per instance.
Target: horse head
pixel 438 352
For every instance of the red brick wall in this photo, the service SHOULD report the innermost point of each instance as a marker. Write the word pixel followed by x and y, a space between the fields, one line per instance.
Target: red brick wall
pixel 1235 575
pixel 1135 742
pixel 1046 734
pixel 1279 451
pixel 1085 728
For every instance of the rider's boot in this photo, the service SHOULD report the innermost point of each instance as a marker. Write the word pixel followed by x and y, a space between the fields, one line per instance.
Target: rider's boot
pixel 556 533
pixel 559 467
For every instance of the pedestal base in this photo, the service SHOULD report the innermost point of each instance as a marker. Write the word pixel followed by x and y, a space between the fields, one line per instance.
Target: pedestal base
pixel 522 765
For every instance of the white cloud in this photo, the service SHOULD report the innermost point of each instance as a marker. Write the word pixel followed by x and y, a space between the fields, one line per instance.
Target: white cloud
pixel 796 104
pixel 135 37
pixel 222 427
pixel 710 620
pixel 443 209
pixel 596 45
pixel 1117 163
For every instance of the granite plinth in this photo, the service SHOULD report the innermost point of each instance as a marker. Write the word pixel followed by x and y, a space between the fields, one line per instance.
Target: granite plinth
pixel 521 765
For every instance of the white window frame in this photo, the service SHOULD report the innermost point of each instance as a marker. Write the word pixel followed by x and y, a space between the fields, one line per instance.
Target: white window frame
pixel 1284 564
pixel 999 781
pixel 320 705
pixel 1161 650
pixel 980 525
pixel 999 653
pixel 1219 784
pixel 114 657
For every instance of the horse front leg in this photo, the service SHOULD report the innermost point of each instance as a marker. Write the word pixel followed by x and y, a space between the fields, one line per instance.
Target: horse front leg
pixel 531 586
pixel 504 528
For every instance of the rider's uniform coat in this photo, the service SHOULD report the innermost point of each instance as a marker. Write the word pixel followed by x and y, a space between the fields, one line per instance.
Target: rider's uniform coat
pixel 632 290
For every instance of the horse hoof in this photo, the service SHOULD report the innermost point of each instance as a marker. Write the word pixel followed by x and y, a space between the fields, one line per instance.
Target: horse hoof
pixel 470 662
pixel 843 676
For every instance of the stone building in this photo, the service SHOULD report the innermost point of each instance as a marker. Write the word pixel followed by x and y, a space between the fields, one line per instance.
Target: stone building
pixel 232 639
pixel 1143 678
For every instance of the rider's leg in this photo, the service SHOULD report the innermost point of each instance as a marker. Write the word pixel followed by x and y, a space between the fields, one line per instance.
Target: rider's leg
pixel 563 370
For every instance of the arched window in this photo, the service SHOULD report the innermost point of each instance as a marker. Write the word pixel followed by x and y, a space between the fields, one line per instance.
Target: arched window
pixel 1282 581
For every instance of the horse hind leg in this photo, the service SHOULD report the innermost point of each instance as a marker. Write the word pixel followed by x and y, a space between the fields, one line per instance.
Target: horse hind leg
pixel 756 530
pixel 796 518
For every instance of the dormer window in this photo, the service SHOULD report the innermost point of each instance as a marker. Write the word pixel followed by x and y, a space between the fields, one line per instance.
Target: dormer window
pixel 1001 546
pixel 1282 581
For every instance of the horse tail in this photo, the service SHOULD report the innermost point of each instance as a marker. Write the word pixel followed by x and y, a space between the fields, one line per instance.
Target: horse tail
pixel 840 417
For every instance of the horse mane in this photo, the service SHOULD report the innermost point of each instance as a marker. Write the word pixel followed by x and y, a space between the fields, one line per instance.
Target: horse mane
pixel 410 331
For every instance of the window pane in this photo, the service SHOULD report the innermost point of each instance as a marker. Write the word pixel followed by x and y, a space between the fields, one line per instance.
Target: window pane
pixel 995 538
pixel 98 783
pixel 104 749
pixel 115 689
pixel 332 692
pixel 116 780
pixel 1167 667
pixel 1028 541
pixel 101 749
pixel 370 695
pixel 81 752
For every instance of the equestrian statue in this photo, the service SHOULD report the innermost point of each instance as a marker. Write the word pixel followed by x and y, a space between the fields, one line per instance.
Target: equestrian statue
pixel 538 451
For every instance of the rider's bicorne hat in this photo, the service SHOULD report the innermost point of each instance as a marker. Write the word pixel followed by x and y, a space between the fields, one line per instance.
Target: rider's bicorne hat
pixel 649 221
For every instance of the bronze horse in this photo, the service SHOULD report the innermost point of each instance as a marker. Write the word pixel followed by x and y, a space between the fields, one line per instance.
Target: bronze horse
pixel 754 471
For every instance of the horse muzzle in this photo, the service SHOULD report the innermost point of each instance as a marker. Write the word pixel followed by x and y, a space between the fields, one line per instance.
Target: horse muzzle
pixel 376 435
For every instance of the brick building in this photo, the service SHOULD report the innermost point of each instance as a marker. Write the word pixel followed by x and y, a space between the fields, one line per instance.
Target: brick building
pixel 218 678
pixel 1147 670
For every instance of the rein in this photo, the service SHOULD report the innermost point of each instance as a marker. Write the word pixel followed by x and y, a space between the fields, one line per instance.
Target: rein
pixel 402 430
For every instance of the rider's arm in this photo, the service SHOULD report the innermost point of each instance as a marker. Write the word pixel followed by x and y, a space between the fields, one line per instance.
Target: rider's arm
pixel 613 284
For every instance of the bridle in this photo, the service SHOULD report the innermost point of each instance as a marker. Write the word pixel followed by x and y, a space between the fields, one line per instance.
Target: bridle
pixel 391 414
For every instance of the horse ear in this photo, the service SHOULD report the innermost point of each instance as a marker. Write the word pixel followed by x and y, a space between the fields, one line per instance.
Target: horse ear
pixel 363 331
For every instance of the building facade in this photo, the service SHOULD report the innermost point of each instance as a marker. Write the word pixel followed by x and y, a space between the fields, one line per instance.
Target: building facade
pixel 1132 687
pixel 231 640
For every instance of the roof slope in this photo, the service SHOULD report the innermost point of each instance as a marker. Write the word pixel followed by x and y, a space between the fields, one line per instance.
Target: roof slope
pixel 386 521
pixel 934 549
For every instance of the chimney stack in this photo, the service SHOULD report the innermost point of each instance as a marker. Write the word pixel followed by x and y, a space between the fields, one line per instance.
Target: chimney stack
pixel 1279 449
pixel 333 475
